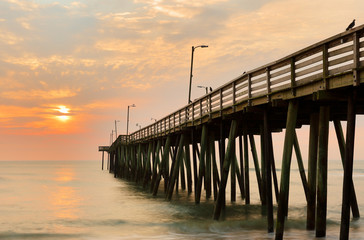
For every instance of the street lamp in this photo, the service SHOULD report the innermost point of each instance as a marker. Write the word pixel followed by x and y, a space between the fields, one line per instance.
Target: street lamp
pixel 111 136
pixel 116 130
pixel 193 49
pixel 127 120
pixel 206 88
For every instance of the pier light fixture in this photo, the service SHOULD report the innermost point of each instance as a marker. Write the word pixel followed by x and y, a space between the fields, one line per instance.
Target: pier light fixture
pixel 127 120
pixel 116 129
pixel 193 50
pixel 206 88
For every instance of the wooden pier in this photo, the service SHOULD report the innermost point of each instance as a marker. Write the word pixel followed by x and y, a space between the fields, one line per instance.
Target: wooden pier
pixel 198 145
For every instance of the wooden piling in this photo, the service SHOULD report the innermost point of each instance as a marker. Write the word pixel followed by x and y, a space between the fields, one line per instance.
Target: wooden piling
pixel 300 165
pixel 215 173
pixel 286 165
pixel 321 209
pixel 348 166
pixel 194 159
pixel 147 171
pixel 162 170
pixel 263 160
pixel 241 157
pixel 225 170
pixel 246 167
pixel 268 150
pixel 139 169
pixel 222 157
pixel 204 136
pixel 274 175
pixel 182 170
pixel 208 168
pixel 175 168
pixel 256 166
pixel 312 171
pixel 233 167
pixel 102 164
pixel 188 166
pixel 342 146
pixel 156 165
pixel 240 179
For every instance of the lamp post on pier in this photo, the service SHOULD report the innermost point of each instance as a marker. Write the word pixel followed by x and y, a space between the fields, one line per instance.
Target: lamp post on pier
pixel 111 137
pixel 116 129
pixel 206 88
pixel 193 50
pixel 127 120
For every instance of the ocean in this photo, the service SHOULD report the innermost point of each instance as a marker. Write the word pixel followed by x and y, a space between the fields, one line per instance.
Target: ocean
pixel 77 200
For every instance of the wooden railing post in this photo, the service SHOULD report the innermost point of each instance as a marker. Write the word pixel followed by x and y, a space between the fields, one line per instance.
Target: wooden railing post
pixel 234 95
pixel 210 105
pixel 325 66
pixel 249 89
pixel 268 83
pixel 221 104
pixel 293 76
pixel 356 74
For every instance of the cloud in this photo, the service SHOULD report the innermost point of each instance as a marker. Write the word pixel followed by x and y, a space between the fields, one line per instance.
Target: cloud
pixel 34 62
pixel 10 38
pixel 39 94
pixel 136 85
pixel 27 6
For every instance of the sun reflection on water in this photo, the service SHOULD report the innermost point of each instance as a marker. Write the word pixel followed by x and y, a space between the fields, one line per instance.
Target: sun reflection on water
pixel 65 200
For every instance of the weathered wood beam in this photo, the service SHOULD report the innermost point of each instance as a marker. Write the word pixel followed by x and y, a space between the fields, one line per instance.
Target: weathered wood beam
pixel 348 167
pixel 300 165
pixel 286 166
pixel 312 171
pixel 268 155
pixel 176 167
pixel 204 139
pixel 256 165
pixel 162 170
pixel 225 170
pixel 342 146
pixel 321 210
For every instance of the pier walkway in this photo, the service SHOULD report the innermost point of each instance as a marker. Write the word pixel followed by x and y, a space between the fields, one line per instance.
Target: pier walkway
pixel 313 86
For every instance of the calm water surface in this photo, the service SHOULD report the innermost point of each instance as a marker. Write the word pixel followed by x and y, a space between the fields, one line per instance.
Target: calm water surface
pixel 76 200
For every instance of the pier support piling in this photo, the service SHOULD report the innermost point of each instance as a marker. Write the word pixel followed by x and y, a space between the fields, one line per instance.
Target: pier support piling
pixel 348 167
pixel 225 170
pixel 286 166
pixel 321 210
pixel 312 171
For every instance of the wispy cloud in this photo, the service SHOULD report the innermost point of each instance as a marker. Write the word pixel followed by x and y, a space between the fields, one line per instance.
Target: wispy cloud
pixel 10 38
pixel 39 94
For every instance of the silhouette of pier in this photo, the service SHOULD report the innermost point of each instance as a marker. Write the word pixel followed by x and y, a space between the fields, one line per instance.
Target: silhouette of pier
pixel 201 144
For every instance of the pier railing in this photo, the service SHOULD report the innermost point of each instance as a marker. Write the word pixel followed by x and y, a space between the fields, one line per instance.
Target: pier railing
pixel 340 54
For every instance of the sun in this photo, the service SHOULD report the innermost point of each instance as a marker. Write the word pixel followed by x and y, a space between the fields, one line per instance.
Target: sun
pixel 63 118
pixel 64 111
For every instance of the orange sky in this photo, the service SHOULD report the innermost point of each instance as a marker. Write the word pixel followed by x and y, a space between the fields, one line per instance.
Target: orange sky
pixel 69 69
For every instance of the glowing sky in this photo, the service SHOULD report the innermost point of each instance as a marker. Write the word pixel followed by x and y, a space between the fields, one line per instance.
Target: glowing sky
pixel 69 69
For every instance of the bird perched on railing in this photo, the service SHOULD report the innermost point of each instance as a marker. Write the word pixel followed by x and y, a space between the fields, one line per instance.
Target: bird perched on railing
pixel 351 25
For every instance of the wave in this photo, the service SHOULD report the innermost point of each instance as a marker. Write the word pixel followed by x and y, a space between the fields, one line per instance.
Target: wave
pixel 15 235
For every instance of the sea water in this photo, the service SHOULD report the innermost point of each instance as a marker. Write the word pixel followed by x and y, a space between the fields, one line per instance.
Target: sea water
pixel 77 200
